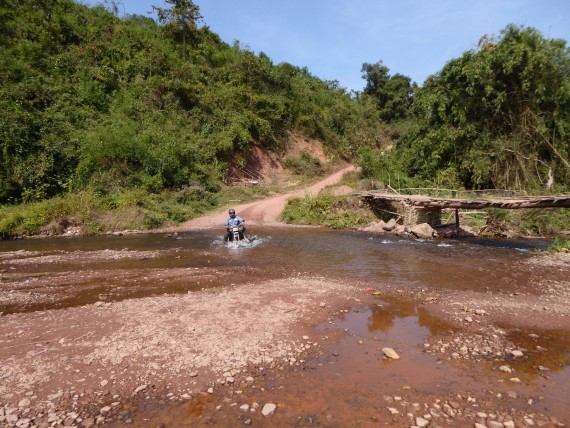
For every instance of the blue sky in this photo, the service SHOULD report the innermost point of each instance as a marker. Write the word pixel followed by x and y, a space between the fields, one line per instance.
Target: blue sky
pixel 333 38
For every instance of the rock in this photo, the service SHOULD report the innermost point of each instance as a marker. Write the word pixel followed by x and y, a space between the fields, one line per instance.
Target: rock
pixel 516 354
pixel 393 411
pixel 478 425
pixel 389 226
pixel 495 424
pixel 505 369
pixel 105 409
pixel 24 403
pixel 193 374
pixel 139 389
pixel 390 353
pixel 244 407
pixel 421 422
pixel 423 231
pixel 268 409
pixel 88 422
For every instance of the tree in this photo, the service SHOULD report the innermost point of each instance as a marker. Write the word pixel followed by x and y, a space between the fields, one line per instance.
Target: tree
pixel 498 116
pixel 180 21
pixel 394 94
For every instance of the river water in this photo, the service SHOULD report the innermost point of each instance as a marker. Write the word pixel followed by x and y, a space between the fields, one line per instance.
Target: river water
pixel 354 378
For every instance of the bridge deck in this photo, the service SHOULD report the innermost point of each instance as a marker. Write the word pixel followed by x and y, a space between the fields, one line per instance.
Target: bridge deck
pixel 562 201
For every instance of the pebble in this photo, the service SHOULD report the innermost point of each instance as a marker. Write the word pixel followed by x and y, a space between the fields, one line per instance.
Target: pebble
pixel 268 409
pixel 24 403
pixel 516 353
pixel 390 353
pixel 421 422
pixel 139 389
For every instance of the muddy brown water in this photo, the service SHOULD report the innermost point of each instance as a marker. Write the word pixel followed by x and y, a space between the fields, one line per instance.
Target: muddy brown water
pixel 350 384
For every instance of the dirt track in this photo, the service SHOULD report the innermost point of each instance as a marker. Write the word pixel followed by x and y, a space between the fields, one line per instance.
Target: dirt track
pixel 265 212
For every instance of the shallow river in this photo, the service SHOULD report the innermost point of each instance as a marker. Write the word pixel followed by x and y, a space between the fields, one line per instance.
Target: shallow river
pixel 349 387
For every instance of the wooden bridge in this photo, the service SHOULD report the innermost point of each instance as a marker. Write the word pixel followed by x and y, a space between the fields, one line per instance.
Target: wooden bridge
pixel 422 208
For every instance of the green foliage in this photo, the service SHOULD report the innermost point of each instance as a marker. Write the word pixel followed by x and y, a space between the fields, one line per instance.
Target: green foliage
pixel 93 101
pixel 498 117
pixel 326 210
pixel 544 222
pixel 393 94
pixel 305 164
pixel 560 245
pixel 129 209
pixel 384 167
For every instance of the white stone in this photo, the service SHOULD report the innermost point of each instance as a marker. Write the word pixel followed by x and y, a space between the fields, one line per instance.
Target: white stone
pixel 24 403
pixel 393 411
pixel 421 422
pixel 268 409
pixel 390 353
pixel 139 389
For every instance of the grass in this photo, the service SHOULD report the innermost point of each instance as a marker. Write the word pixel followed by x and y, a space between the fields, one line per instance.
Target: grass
pixel 327 210
pixel 560 245
pixel 131 209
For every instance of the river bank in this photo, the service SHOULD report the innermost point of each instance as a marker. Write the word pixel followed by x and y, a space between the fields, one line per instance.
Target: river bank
pixel 182 338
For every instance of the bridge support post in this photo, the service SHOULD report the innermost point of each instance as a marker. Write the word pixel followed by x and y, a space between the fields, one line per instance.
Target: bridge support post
pixel 457 218
pixel 417 215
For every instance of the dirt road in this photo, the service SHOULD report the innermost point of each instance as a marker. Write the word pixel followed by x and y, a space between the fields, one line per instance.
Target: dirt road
pixel 262 213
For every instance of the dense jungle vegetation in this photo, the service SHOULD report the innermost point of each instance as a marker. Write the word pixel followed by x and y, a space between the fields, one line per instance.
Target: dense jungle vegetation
pixel 126 122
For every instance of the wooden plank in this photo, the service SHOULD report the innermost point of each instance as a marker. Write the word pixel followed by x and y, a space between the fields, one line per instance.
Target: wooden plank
pixel 505 203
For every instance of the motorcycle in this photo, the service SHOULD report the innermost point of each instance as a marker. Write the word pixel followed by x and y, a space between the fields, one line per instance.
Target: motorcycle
pixel 235 233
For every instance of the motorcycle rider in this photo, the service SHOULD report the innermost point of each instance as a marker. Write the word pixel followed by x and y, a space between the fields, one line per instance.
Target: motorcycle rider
pixel 232 221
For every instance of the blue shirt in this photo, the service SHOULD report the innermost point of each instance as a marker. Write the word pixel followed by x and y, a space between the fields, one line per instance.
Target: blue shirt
pixel 236 221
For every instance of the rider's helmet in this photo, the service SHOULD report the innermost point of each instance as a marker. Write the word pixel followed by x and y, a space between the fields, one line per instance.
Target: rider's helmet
pixel 232 211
